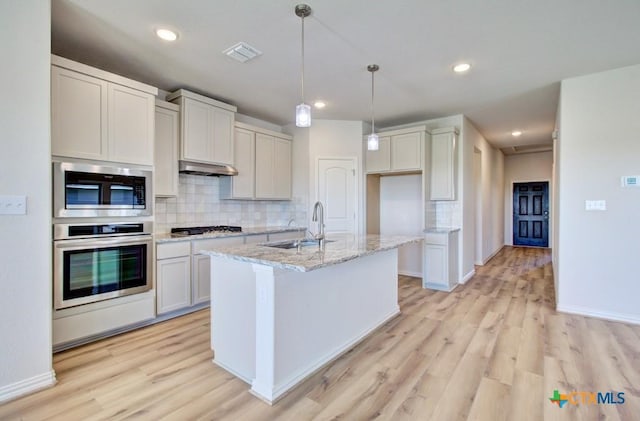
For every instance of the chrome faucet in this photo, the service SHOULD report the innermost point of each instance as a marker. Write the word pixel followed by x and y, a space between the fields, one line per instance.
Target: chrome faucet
pixel 318 215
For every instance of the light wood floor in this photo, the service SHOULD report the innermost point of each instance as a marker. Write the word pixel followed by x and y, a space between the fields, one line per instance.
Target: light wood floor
pixel 494 349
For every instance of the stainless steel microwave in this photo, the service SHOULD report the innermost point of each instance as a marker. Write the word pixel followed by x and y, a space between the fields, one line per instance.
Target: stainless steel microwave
pixel 83 190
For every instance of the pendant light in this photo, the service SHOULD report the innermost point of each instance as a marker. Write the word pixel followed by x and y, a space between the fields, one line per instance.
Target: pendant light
pixel 373 143
pixel 303 111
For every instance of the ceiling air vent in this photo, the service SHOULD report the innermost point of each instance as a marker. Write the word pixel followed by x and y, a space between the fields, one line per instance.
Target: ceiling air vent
pixel 242 52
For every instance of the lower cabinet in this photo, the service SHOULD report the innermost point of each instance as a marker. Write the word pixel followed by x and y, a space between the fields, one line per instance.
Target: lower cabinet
pixel 201 265
pixel 183 275
pixel 441 260
pixel 173 276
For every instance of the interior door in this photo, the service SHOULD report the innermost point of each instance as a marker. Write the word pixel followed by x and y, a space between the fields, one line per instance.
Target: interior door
pixel 337 192
pixel 531 214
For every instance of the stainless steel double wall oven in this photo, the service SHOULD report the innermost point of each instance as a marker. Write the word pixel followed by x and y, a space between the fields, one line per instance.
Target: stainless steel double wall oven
pixel 102 232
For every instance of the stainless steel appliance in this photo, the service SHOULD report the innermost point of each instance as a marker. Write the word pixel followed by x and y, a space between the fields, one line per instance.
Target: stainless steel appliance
pixel 84 190
pixel 179 232
pixel 99 261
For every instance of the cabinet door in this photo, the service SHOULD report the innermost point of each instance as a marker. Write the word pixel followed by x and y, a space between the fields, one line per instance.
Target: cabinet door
pixel 282 169
pixel 173 283
pixel 443 166
pixel 166 152
pixel 222 121
pixel 243 183
pixel 131 125
pixel 380 160
pixel 78 115
pixel 265 150
pixel 196 131
pixel 436 264
pixel 201 278
pixel 406 152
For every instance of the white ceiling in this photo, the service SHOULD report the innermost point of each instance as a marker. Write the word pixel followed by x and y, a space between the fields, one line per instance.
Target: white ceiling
pixel 519 50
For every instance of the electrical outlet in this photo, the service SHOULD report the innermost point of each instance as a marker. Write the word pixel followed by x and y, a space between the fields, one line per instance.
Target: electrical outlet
pixel 13 205
pixel 595 205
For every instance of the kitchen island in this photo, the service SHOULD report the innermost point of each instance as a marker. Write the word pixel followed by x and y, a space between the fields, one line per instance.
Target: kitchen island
pixel 278 315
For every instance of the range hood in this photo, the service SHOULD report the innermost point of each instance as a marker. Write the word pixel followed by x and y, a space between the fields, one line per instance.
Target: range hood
pixel 198 168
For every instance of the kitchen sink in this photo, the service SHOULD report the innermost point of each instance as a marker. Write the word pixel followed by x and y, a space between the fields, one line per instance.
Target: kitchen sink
pixel 292 244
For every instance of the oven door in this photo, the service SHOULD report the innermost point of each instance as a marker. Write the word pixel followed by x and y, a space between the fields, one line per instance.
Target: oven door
pixel 87 190
pixel 96 269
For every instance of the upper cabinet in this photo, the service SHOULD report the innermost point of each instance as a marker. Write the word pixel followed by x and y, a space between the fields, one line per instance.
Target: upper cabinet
pixel 166 149
pixel 263 161
pixel 443 164
pixel 206 128
pixel 99 115
pixel 400 151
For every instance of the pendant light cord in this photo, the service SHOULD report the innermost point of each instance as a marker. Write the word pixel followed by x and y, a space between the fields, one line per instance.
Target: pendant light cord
pixel 302 73
pixel 373 122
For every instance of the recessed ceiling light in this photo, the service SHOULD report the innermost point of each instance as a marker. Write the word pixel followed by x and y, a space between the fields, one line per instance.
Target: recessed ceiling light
pixel 319 104
pixel 461 67
pixel 166 34
pixel 516 133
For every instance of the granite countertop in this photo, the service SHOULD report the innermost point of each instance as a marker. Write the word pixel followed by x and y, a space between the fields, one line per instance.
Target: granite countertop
pixel 168 238
pixel 441 230
pixel 338 249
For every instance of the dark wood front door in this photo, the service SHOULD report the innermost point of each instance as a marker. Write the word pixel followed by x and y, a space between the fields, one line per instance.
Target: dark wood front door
pixel 531 214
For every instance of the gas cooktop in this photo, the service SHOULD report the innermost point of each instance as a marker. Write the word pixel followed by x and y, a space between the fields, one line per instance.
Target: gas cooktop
pixel 204 230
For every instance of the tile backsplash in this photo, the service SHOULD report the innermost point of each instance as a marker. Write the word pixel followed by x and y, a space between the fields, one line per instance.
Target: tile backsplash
pixel 199 203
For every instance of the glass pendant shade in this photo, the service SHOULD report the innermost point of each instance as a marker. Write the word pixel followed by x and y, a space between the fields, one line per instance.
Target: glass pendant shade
pixel 373 143
pixel 303 115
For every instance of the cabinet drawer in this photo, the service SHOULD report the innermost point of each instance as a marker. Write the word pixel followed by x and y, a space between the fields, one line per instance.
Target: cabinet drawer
pixel 170 250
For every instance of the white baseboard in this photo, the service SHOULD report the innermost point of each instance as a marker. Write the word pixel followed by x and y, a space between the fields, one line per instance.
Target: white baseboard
pixel 410 273
pixel 440 287
pixel 492 255
pixel 589 312
pixel 26 386
pixel 468 276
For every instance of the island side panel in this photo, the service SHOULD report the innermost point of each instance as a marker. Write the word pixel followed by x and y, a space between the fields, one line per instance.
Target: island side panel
pixel 323 313
pixel 233 316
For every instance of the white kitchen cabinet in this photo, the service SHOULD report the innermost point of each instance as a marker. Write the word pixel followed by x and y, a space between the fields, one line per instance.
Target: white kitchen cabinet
pixel 201 280
pixel 173 276
pixel 443 164
pixel 166 149
pixel 207 125
pixel 399 151
pixel 263 161
pixel 273 167
pixel 380 160
pixel 101 116
pixel 243 184
pixel 406 151
pixel 441 259
pixel 201 266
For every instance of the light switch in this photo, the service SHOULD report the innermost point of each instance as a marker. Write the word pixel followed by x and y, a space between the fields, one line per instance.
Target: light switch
pixel 13 205
pixel 595 205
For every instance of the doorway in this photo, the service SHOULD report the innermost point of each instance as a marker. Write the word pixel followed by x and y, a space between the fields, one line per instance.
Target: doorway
pixel 531 214
pixel 337 190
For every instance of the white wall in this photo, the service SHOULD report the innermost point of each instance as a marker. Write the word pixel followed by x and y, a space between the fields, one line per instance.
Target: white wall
pixel 25 165
pixel 491 195
pixel 401 214
pixel 524 168
pixel 325 139
pixel 599 143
